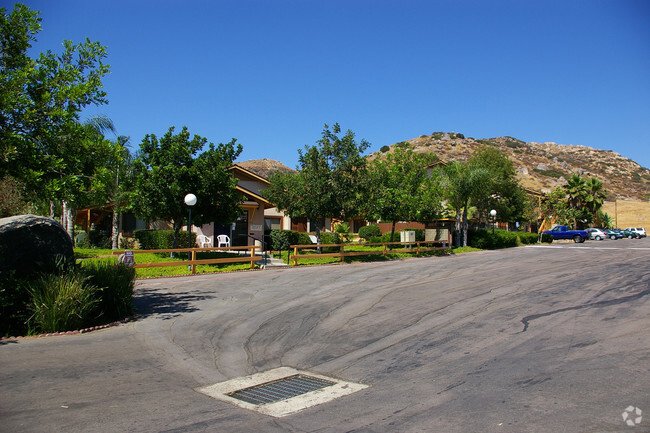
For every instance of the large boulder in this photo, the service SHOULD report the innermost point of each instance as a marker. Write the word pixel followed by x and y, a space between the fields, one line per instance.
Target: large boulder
pixel 30 243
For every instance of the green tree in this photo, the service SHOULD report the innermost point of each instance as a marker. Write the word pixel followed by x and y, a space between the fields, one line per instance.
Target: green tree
pixel 464 185
pixel 503 192
pixel 169 168
pixel 400 189
pixel 41 138
pixel 329 182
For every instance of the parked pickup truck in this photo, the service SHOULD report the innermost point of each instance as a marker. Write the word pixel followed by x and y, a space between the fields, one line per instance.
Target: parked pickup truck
pixel 563 232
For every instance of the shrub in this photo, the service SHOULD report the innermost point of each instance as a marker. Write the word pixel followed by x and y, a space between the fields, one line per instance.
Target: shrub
pixel 281 239
pixel 528 238
pixel 116 283
pixel 81 240
pixel 386 237
pixel 370 231
pixel 384 149
pixel 127 243
pixel 343 231
pixel 62 302
pixel 330 238
pixel 304 239
pixel 487 240
pixel 161 239
pixel 547 238
pixel 14 305
pixel 437 135
pixel 99 239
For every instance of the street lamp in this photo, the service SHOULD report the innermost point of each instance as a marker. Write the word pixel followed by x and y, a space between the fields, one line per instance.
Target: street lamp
pixel 190 200
pixel 493 214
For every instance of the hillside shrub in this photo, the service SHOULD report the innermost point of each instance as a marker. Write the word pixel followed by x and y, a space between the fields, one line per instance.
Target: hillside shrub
pixel 161 239
pixel 384 149
pixel 370 231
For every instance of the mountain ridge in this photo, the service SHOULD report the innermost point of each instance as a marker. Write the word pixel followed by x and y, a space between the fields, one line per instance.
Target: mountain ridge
pixel 543 166
pixel 539 166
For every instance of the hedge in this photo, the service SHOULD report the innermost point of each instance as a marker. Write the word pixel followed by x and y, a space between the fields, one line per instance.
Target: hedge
pixel 161 239
pixel 370 231
pixel 489 240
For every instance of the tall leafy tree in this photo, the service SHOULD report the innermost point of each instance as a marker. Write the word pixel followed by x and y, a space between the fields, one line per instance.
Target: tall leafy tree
pixel 329 181
pixel 400 188
pixel 503 192
pixel 171 167
pixel 41 137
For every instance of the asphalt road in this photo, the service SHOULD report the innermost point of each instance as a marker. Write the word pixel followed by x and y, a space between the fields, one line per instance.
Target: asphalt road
pixel 532 339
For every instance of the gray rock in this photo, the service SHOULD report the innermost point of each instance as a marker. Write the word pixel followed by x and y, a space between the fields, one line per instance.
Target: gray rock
pixel 30 243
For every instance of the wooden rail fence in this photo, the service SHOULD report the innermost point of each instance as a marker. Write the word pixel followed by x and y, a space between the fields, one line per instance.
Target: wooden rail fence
pixel 343 254
pixel 193 260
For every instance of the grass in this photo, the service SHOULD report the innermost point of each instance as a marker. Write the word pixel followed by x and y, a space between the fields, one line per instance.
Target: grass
pixel 316 260
pixel 92 254
pixel 89 254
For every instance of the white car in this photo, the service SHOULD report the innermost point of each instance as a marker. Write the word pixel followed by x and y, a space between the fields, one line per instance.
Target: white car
pixel 639 230
pixel 597 234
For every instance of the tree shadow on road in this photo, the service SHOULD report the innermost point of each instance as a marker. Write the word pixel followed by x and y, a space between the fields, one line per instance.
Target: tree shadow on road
pixel 151 302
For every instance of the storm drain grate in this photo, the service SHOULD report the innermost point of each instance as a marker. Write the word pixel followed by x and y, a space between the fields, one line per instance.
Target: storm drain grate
pixel 282 389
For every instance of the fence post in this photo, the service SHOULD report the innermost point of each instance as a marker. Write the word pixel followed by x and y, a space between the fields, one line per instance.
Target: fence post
pixel 384 248
pixel 342 252
pixel 193 259
pixel 295 256
pixel 252 248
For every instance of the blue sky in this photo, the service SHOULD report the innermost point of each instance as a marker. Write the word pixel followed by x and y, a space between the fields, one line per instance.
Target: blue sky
pixel 271 72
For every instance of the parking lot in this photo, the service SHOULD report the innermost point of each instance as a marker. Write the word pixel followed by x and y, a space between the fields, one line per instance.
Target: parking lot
pixel 543 338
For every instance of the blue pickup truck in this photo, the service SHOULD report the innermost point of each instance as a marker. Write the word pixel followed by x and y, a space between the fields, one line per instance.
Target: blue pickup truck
pixel 563 232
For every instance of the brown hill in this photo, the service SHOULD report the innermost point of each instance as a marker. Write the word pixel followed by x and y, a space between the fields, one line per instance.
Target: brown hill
pixel 544 166
pixel 264 167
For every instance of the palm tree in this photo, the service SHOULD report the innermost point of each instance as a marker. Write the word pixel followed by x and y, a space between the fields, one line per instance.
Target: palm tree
pixel 594 196
pixel 464 184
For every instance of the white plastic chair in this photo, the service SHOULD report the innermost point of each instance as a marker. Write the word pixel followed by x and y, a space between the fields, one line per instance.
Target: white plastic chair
pixel 223 240
pixel 204 241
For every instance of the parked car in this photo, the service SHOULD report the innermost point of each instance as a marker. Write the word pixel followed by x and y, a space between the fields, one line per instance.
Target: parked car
pixel 628 234
pixel 640 230
pixel 613 234
pixel 563 232
pixel 597 234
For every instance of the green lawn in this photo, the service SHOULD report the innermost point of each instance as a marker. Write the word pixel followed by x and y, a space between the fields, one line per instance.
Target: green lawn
pixel 99 254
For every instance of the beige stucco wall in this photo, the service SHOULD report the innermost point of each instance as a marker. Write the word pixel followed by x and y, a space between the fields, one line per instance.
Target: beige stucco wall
pixel 628 213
